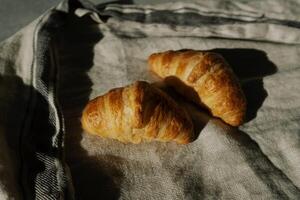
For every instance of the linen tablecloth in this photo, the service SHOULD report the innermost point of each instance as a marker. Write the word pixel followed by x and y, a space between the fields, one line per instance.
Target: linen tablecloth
pixel 77 51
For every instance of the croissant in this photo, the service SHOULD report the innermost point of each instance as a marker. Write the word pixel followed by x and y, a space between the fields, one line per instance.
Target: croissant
pixel 137 113
pixel 205 78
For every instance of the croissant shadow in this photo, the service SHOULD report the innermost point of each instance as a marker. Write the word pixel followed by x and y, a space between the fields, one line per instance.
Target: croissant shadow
pixel 199 115
pixel 250 66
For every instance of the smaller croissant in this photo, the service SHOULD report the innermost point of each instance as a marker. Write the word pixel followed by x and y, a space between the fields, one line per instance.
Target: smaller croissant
pixel 205 78
pixel 137 113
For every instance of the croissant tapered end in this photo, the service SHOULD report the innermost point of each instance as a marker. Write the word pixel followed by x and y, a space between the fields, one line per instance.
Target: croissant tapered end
pixel 205 78
pixel 136 113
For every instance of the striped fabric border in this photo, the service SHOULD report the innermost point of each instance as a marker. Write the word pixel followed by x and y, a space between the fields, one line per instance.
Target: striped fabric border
pixel 43 169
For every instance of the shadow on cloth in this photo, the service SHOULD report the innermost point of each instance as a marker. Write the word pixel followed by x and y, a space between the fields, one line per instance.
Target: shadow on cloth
pixel 93 176
pixel 13 94
pixel 250 66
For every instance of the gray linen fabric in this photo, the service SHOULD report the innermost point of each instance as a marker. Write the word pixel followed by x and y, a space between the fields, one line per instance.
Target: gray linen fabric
pixel 77 51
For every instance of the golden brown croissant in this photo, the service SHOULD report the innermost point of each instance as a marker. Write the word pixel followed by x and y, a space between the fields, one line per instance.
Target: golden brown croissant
pixel 136 113
pixel 205 78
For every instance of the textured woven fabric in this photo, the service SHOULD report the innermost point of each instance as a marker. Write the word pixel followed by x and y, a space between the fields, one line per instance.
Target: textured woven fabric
pixel 77 51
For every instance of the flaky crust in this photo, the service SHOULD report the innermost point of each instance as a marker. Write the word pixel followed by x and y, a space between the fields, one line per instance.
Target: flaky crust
pixel 136 113
pixel 205 78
